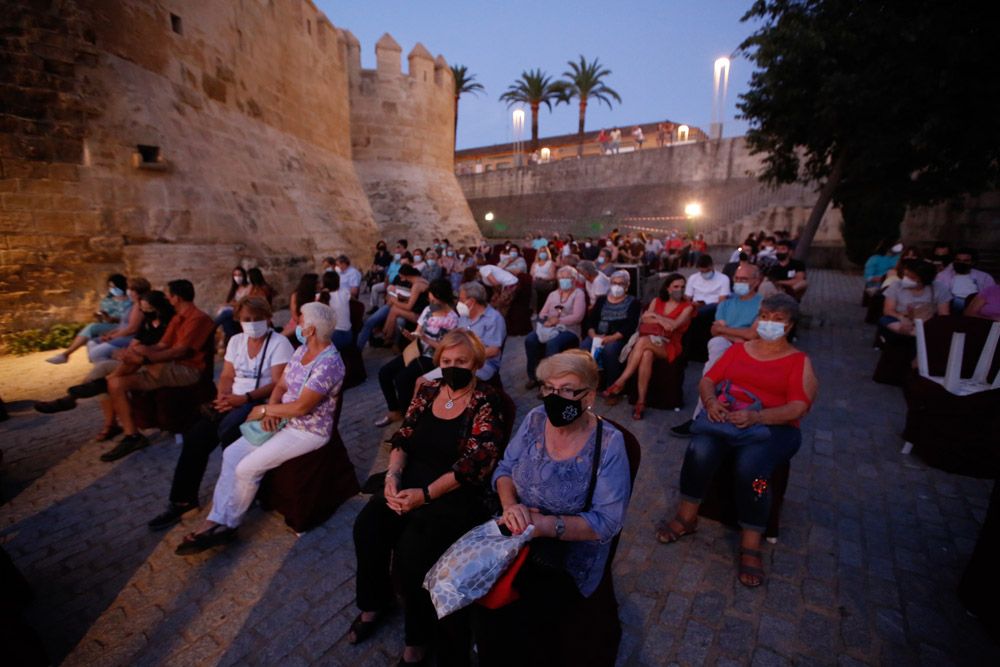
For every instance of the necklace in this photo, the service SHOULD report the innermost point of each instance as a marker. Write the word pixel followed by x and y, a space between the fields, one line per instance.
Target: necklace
pixel 450 403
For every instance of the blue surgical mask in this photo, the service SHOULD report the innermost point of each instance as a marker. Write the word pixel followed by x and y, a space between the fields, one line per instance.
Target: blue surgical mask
pixel 565 284
pixel 769 330
pixel 432 262
pixel 741 289
pixel 116 291
pixel 708 275
pixel 600 260
pixel 397 256
pixel 300 335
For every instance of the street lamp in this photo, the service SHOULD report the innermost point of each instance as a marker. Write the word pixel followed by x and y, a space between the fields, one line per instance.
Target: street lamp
pixel 720 84
pixel 693 209
pixel 518 118
pixel 488 217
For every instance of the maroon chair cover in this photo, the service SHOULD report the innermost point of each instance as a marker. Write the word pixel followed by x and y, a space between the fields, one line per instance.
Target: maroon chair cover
pixel 357 317
pixel 696 338
pixel 938 332
pixel 529 255
pixel 519 315
pixel 719 504
pixel 176 409
pixel 874 305
pixel 666 386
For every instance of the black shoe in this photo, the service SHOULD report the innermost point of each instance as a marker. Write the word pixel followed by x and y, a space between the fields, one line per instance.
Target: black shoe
pixel 195 543
pixel 89 389
pixel 683 430
pixel 126 446
pixel 59 405
pixel 171 516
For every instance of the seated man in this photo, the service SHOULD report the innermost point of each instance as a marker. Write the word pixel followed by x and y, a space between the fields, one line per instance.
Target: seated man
pixel 400 286
pixel 477 315
pixel 597 282
pixel 178 360
pixel 350 277
pixel 707 288
pixel 400 256
pixel 787 274
pixel 735 320
pixel 962 281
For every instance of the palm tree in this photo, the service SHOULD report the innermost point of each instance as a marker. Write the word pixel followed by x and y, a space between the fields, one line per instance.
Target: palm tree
pixel 464 83
pixel 584 81
pixel 534 88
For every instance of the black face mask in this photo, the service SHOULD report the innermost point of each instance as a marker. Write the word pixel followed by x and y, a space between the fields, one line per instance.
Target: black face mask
pixel 456 377
pixel 962 267
pixel 782 256
pixel 562 411
pixel 943 260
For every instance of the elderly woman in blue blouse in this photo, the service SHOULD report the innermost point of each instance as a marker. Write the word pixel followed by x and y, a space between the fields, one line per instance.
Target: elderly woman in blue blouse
pixel 546 479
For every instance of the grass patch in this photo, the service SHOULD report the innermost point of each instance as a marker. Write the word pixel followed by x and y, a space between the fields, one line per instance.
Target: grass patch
pixel 56 337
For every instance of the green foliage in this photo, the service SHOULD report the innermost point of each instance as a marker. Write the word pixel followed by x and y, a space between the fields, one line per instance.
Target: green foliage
pixel 868 221
pixel 57 337
pixel 585 81
pixel 534 88
pixel 465 82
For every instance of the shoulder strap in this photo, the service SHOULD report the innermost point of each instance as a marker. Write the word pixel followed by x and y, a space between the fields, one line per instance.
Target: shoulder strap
pixel 596 464
pixel 260 364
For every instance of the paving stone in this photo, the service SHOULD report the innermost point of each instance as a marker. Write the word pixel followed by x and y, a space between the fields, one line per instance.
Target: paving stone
pixel 694 645
pixel 763 657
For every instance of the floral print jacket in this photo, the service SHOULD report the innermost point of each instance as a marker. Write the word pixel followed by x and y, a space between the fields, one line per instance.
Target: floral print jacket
pixel 484 430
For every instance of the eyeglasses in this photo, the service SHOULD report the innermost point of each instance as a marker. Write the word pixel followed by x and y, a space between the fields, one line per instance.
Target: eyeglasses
pixel 565 392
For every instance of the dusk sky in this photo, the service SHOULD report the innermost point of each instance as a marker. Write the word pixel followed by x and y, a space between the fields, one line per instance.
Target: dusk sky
pixel 660 53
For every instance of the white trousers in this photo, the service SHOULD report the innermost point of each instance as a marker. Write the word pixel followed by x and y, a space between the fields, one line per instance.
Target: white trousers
pixel 717 346
pixel 244 465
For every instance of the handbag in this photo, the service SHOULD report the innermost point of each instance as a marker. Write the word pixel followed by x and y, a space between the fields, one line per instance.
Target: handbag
pixel 545 333
pixel 652 329
pixel 727 392
pixel 411 351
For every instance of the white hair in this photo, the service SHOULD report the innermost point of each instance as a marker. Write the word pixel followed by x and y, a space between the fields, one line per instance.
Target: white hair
pixel 622 274
pixel 566 272
pixel 321 316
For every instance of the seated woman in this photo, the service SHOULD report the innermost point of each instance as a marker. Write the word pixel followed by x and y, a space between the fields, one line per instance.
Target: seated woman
pixel 661 329
pixel 156 315
pixel 406 305
pixel 116 339
pixel 306 396
pixel 305 292
pixel 113 312
pixel 781 378
pixel 254 362
pixel 543 276
pixel 914 297
pixel 613 319
pixel 878 266
pixel 546 479
pixel 339 299
pixel 259 285
pixel 399 376
pixel 432 266
pixel 986 304
pixel 436 489
pixel 225 317
pixel 513 262
pixel 560 318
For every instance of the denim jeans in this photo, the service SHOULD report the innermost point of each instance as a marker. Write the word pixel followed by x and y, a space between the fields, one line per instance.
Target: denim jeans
pixel 226 320
pixel 754 465
pixel 342 339
pixel 535 350
pixel 97 351
pixel 609 358
pixel 376 319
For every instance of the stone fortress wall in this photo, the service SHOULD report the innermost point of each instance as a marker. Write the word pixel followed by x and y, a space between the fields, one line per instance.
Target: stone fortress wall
pixel 245 111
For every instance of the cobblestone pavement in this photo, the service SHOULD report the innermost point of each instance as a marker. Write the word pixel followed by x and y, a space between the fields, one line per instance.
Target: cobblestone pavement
pixel 872 542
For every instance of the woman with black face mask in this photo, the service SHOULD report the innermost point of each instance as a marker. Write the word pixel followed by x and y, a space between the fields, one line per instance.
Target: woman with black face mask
pixel 436 489
pixel 566 473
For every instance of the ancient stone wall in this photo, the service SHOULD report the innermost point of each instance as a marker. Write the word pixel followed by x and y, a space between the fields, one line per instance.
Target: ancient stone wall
pixel 402 138
pixel 243 114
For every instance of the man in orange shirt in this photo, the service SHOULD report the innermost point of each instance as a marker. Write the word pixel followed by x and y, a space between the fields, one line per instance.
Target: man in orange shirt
pixel 176 361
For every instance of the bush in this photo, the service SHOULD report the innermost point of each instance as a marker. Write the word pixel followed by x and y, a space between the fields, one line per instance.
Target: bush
pixel 57 337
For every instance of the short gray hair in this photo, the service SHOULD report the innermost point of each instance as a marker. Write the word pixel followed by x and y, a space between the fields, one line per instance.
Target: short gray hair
pixel 572 362
pixel 474 290
pixel 569 271
pixel 321 316
pixel 782 303
pixel 587 268
pixel 622 273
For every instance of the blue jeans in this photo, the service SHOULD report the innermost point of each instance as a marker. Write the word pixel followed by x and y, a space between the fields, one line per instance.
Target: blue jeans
pixel 102 351
pixel 535 350
pixel 754 465
pixel 609 358
pixel 342 339
pixel 376 319
pixel 230 327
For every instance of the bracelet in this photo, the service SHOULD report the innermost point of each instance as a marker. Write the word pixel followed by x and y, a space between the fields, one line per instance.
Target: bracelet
pixel 263 411
pixel 427 495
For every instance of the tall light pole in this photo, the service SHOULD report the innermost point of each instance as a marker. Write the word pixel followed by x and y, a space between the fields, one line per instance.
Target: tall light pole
pixel 720 85
pixel 518 118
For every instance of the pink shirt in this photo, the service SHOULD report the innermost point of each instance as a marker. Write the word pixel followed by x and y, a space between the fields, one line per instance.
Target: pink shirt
pixel 574 307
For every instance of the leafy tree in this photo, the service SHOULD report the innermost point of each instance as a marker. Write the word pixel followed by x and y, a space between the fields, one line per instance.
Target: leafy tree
pixel 585 80
pixel 881 98
pixel 464 83
pixel 534 88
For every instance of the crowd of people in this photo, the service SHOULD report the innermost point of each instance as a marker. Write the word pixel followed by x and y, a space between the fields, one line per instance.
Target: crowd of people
pixel 457 457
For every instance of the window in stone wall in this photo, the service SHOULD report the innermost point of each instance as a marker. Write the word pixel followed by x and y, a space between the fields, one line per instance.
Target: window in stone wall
pixel 176 25
pixel 148 157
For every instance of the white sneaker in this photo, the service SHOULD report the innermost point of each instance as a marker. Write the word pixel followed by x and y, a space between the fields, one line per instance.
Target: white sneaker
pixel 58 359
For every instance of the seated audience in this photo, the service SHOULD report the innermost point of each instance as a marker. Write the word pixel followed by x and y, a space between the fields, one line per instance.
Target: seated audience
pixel 962 281
pixel 405 305
pixel 699 248
pixel 350 277
pixel 254 362
pixel 300 412
pixel 707 288
pixel 380 262
pixel 436 489
pixel 502 283
pixel 546 479
pixel 916 296
pixel 787 274
pixel 512 261
pixel 543 276
pixel 605 261
pixel 671 258
pixel 119 338
pixel 432 269
pixel 880 264
pixel 178 360
pixel 406 288
pixel 305 292
pixel 597 282
pixel 259 285
pixel 986 304
pixel 477 315
pixel 941 255
pixel 113 311
pixel 399 257
pixel 613 319
pixel 769 371
pixel 339 298
pixel 399 376
pixel 239 287
pixel 661 329
pixel 558 322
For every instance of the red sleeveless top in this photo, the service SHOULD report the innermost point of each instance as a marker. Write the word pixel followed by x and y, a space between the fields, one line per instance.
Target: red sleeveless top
pixel 775 382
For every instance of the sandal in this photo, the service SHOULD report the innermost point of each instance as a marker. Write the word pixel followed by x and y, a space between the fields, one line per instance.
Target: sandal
pixel 667 535
pixel 364 629
pixel 195 543
pixel 110 432
pixel 637 411
pixel 613 390
pixel 750 570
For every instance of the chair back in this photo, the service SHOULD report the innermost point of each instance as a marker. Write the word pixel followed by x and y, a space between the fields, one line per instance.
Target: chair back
pixel 956 347
pixel 357 317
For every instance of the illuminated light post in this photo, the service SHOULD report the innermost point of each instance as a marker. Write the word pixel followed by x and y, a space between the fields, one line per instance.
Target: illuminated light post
pixel 546 154
pixel 720 86
pixel 488 217
pixel 693 210
pixel 518 119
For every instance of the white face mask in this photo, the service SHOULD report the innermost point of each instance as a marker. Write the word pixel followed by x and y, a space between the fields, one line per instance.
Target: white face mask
pixel 418 258
pixel 908 283
pixel 239 280
pixel 254 329
pixel 769 330
pixel 617 290
pixel 896 249
pixel 463 310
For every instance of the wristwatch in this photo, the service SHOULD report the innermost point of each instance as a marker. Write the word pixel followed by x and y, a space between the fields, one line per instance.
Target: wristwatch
pixel 427 495
pixel 560 527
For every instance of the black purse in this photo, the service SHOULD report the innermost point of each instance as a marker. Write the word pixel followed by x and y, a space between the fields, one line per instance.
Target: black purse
pixel 549 553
